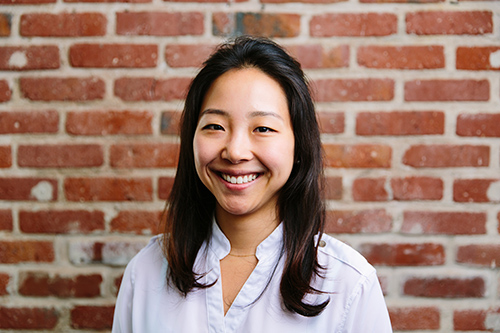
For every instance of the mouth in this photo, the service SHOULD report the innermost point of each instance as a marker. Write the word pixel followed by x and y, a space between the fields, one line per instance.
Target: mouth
pixel 242 179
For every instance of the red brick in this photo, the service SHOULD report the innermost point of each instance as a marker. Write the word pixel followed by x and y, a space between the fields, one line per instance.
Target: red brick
pixel 25 2
pixel 62 89
pixel 473 320
pixel 356 90
pixel 331 122
pixel 483 255
pixel 63 25
pixel 159 23
pixel 447 90
pixel 333 188
pixel 401 57
pixel 482 124
pixel 29 122
pixel 41 284
pixel 318 56
pixel 446 156
pixel 362 221
pixel 13 252
pixel 5 157
pixel 5 92
pixel 449 23
pixel 6 222
pixel 265 24
pixel 448 223
pixel 108 189
pixel 41 189
pixel 4 282
pixel 61 222
pixel 29 57
pixel 401 1
pixel 353 24
pixel 92 317
pixel 415 318
pixel 476 190
pixel 137 222
pixel 165 187
pixel 28 318
pixel 477 58
pixel 445 287
pixel 357 156
pixel 60 156
pixel 109 122
pixel 405 254
pixel 5 25
pixel 400 123
pixel 113 55
pixel 170 122
pixel 145 155
pixel 369 189
pixel 150 89
pixel 109 1
pixel 417 188
pixel 185 55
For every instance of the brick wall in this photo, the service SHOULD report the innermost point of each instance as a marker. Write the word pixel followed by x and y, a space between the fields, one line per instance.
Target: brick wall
pixel 408 95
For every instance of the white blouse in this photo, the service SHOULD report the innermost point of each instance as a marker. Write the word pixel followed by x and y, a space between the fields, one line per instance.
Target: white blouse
pixel 147 304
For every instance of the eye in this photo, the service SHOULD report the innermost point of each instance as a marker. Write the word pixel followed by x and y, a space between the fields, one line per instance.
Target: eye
pixel 213 127
pixel 263 129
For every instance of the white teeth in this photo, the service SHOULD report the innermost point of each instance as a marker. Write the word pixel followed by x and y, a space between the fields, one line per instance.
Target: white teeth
pixel 239 179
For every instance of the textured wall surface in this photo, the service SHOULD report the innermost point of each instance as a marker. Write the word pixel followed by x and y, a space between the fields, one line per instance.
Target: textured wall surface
pixel 408 95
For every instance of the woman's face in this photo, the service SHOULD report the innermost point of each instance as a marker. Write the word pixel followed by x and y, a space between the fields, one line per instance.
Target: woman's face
pixel 244 142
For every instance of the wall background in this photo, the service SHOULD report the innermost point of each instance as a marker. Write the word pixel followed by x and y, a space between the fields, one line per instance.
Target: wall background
pixel 408 95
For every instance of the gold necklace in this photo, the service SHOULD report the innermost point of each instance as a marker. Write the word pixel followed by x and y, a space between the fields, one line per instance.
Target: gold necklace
pixel 241 255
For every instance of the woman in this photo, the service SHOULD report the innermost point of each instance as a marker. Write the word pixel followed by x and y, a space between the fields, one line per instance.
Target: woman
pixel 243 249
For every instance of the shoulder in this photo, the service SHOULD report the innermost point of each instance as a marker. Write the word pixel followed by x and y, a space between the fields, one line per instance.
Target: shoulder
pixel 149 259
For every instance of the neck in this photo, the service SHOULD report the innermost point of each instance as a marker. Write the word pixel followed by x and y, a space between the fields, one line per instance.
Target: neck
pixel 246 232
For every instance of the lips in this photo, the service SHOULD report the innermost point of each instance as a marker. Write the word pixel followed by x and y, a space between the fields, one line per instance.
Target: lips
pixel 242 179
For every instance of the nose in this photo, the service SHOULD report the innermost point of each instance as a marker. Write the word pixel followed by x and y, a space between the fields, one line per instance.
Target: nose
pixel 237 148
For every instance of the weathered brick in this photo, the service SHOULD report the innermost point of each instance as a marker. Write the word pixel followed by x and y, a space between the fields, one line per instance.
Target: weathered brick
pixel 265 24
pixel 5 157
pixel 92 317
pixel 4 282
pixel 5 92
pixel 63 25
pixel 401 57
pixel 109 122
pixel 353 24
pixel 357 156
pixel 446 156
pixel 481 124
pixel 144 155
pixel 136 222
pixel 362 221
pixel 41 284
pixel 475 320
pixel 5 24
pixel 29 122
pixel 60 156
pixel 356 90
pixel 417 188
pixel 449 22
pixel 29 57
pixel 6 222
pixel 400 1
pixel 114 253
pixel 24 318
pixel 404 254
pixel 331 122
pixel 400 123
pixel 62 89
pixel 319 56
pixel 110 1
pixel 369 189
pixel 61 221
pixel 483 255
pixel 449 223
pixel 478 58
pixel 113 55
pixel 445 287
pixel 165 187
pixel 302 1
pixel 108 189
pixel 26 2
pixel 476 190
pixel 415 318
pixel 159 23
pixel 446 90
pixel 333 188
pixel 170 122
pixel 186 55
pixel 13 252
pixel 150 89
pixel 30 189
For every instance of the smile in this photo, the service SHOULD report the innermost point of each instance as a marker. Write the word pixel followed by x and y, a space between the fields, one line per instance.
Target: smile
pixel 240 179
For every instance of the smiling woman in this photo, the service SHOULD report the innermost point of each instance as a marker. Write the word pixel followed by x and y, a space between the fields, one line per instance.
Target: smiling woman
pixel 243 248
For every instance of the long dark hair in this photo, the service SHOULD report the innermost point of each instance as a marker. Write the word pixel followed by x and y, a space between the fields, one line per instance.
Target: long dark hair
pixel 191 206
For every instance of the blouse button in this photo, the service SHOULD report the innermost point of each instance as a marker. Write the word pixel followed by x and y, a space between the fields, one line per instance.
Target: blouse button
pixel 322 243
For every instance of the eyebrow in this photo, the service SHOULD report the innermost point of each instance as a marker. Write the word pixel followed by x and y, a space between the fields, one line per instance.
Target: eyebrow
pixel 252 114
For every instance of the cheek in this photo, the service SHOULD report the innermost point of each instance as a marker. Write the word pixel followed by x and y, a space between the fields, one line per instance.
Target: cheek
pixel 203 153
